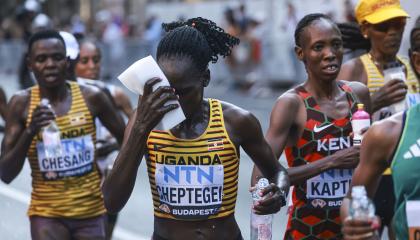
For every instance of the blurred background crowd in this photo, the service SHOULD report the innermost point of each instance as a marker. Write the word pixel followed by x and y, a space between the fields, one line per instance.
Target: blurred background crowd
pixel 130 29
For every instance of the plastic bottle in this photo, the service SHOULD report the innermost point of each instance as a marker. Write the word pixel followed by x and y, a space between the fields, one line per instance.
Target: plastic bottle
pixel 51 136
pixel 359 121
pixel 260 224
pixel 394 70
pixel 361 207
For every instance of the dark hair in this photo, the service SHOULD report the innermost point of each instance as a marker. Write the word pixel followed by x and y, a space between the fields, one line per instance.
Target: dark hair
pixel 413 46
pixel 306 21
pixel 44 34
pixel 352 37
pixel 198 38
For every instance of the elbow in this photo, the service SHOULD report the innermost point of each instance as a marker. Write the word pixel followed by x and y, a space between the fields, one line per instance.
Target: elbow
pixel 5 179
pixel 110 205
pixel 111 208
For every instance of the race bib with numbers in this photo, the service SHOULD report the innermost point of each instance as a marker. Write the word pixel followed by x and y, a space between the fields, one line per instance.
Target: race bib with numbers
pixel 328 189
pixel 77 158
pixel 190 191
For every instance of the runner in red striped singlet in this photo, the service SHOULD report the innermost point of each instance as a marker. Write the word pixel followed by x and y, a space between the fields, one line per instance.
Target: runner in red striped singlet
pixel 312 123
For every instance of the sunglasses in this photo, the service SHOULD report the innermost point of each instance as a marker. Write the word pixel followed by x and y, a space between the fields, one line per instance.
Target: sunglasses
pixel 385 26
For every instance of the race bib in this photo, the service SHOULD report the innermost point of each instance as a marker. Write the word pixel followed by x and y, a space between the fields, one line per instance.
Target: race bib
pixel 328 189
pixel 190 191
pixel 412 209
pixel 77 158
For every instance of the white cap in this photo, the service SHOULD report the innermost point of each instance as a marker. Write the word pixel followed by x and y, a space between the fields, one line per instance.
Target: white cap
pixel 41 21
pixel 72 47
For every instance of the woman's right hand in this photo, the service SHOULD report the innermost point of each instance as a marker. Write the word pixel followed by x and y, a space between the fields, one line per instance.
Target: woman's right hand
pixel 152 105
pixel 41 117
pixel 353 229
pixel 346 158
pixel 391 92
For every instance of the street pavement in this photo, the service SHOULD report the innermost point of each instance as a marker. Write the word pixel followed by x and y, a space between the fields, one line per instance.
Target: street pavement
pixel 136 219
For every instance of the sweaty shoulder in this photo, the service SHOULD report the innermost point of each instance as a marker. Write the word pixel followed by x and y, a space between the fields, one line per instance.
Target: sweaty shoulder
pixel 357 87
pixel 19 103
pixel 233 113
pixel 353 70
pixel 240 123
pixel 291 98
pixel 94 97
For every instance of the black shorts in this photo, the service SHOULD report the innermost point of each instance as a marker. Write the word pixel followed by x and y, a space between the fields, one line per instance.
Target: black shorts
pixel 48 228
pixel 385 200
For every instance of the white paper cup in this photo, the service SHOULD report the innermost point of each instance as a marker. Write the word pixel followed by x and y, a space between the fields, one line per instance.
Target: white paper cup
pixel 134 78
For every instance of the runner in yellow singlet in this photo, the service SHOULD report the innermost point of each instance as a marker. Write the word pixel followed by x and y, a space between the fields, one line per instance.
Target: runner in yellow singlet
pixel 193 167
pixel 395 143
pixel 66 201
pixel 382 23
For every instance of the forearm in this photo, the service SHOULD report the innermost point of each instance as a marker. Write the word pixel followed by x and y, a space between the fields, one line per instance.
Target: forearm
pixel 12 161
pixel 119 184
pixel 375 103
pixel 344 209
pixel 302 173
pixel 106 148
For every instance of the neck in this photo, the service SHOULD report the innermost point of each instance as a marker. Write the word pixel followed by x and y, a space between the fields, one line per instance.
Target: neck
pixel 54 94
pixel 321 89
pixel 196 116
pixel 380 59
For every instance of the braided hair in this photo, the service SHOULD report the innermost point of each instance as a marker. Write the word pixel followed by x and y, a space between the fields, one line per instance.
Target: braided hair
pixel 353 38
pixel 198 38
pixel 306 21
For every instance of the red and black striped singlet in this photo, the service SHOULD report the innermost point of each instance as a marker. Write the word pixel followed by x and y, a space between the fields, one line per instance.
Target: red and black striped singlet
pixel 316 202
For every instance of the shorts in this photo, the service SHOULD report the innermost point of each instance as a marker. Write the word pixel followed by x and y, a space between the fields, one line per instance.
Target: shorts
pixel 157 237
pixel 49 228
pixel 385 200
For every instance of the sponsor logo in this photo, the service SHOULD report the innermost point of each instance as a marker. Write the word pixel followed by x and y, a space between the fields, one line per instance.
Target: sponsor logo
pixel 51 175
pixel 318 129
pixel 333 144
pixel 164 208
pixel 414 150
pixel 206 159
pixel 318 203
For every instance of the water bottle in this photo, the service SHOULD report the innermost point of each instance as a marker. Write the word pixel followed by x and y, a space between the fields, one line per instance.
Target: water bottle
pixel 361 207
pixel 359 121
pixel 260 224
pixel 51 136
pixel 394 70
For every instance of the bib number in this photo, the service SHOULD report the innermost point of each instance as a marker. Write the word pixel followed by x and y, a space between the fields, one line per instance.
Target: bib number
pixel 76 160
pixel 328 189
pixel 190 191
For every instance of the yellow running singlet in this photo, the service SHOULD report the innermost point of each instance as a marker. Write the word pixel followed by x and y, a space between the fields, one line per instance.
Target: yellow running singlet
pixel 66 186
pixel 194 179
